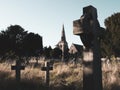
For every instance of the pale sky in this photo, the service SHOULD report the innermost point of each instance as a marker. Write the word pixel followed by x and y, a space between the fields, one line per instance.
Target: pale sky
pixel 46 17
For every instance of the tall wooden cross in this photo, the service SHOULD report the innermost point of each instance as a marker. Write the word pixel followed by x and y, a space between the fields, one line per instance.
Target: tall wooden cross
pixel 17 69
pixel 47 68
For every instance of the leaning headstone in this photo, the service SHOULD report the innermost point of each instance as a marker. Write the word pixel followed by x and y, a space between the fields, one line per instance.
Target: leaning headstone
pixel 17 69
pixel 47 68
pixel 89 30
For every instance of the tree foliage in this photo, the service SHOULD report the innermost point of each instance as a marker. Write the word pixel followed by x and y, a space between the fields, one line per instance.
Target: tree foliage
pixel 111 42
pixel 32 44
pixel 47 52
pixel 15 41
pixel 54 53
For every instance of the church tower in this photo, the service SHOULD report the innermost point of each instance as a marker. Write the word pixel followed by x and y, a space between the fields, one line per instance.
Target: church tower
pixel 63 45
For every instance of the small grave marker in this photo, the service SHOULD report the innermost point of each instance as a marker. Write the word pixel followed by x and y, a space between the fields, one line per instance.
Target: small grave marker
pixel 47 68
pixel 17 69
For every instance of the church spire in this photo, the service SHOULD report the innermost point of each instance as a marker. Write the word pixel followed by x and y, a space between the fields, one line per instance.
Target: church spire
pixel 63 45
pixel 63 37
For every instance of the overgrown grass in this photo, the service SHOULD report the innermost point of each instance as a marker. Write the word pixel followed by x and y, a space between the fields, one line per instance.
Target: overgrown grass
pixel 111 75
pixel 62 77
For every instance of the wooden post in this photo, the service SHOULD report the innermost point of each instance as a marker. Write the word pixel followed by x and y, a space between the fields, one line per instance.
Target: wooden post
pixel 47 68
pixel 17 69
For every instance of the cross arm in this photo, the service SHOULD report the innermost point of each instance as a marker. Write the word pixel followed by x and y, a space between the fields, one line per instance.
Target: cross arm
pixel 17 67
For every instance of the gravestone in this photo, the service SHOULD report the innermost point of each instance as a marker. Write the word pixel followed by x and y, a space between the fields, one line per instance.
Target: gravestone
pixel 89 30
pixel 47 68
pixel 17 69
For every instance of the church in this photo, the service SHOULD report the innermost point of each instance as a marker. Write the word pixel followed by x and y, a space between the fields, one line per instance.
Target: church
pixel 74 50
pixel 63 45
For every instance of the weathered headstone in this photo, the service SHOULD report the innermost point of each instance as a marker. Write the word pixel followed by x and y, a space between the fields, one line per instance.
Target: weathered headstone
pixel 89 30
pixel 47 68
pixel 17 69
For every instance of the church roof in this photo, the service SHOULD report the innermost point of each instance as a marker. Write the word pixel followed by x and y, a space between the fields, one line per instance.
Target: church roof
pixel 75 48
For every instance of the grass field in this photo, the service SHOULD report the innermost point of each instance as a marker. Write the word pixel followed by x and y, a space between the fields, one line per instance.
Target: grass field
pixel 62 77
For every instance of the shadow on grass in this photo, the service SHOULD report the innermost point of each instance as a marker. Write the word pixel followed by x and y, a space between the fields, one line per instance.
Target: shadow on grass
pixel 9 83
pixel 12 85
pixel 115 86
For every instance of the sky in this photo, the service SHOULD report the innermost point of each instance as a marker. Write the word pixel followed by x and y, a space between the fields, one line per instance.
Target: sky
pixel 46 17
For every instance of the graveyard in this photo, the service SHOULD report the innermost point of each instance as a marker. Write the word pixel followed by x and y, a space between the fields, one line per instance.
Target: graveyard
pixel 25 64
pixel 62 77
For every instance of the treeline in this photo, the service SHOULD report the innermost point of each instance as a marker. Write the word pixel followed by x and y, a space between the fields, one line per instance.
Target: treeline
pixel 16 42
pixel 110 43
pixel 50 53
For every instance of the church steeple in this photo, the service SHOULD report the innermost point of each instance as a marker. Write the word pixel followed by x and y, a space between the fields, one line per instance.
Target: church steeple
pixel 63 37
pixel 63 45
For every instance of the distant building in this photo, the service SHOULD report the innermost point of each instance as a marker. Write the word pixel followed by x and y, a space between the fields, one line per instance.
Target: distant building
pixel 76 50
pixel 63 45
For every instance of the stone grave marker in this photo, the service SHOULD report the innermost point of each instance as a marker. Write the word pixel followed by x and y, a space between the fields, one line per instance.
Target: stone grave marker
pixel 17 69
pixel 89 30
pixel 47 69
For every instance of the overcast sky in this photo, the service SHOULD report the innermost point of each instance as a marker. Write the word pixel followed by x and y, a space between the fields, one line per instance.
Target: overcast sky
pixel 46 17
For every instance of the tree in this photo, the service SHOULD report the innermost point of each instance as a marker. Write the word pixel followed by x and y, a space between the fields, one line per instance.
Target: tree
pixel 32 45
pixel 111 41
pixel 56 53
pixel 11 40
pixel 47 52
pixel 16 42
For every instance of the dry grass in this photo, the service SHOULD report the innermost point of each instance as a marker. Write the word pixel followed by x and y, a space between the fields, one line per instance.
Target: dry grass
pixel 111 75
pixel 62 77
